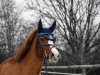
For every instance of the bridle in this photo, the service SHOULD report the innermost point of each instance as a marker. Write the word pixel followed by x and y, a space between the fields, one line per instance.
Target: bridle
pixel 49 36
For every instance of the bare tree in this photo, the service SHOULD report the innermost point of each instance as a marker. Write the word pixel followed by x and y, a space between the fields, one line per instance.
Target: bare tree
pixel 76 24
pixel 9 25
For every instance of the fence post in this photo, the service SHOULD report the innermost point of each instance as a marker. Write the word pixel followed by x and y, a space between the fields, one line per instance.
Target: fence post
pixel 83 71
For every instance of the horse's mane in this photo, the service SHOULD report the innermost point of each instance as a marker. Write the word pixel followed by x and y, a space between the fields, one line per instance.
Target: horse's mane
pixel 23 49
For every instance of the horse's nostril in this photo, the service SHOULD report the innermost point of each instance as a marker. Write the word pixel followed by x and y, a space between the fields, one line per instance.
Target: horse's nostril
pixel 59 55
pixel 52 55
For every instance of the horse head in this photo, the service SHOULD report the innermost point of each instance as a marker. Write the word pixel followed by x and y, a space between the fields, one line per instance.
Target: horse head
pixel 46 42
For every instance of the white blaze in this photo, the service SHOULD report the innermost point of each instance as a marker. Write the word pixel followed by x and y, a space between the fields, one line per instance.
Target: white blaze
pixel 53 49
pixel 50 42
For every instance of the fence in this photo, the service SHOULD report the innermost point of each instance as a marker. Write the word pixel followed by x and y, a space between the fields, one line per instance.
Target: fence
pixel 74 66
pixel 59 73
pixel 70 67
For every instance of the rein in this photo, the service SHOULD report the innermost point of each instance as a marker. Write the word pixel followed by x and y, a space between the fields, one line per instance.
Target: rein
pixel 45 60
pixel 44 54
pixel 50 37
pixel 45 64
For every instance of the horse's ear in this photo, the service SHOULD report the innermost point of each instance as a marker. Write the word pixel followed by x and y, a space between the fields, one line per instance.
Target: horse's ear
pixel 53 26
pixel 40 27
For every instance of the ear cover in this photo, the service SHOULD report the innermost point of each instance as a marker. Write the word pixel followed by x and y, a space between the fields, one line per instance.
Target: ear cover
pixel 40 27
pixel 53 26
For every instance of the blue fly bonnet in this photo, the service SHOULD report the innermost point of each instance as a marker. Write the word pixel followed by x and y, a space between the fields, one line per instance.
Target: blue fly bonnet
pixel 48 36
pixel 46 32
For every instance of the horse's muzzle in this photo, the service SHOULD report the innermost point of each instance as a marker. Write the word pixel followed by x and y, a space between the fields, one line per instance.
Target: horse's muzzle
pixel 54 56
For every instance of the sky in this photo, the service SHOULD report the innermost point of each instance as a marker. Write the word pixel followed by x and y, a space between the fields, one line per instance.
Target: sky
pixel 20 2
pixel 27 15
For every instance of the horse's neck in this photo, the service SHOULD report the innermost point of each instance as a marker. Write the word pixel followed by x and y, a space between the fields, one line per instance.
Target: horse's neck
pixel 32 61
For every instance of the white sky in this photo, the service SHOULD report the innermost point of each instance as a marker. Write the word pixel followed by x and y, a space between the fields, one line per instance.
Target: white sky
pixel 28 14
pixel 21 4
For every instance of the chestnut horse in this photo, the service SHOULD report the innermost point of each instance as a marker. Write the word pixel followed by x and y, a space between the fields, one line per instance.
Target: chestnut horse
pixel 30 55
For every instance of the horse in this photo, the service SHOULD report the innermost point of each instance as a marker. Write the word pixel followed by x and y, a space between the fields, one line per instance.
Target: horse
pixel 30 56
